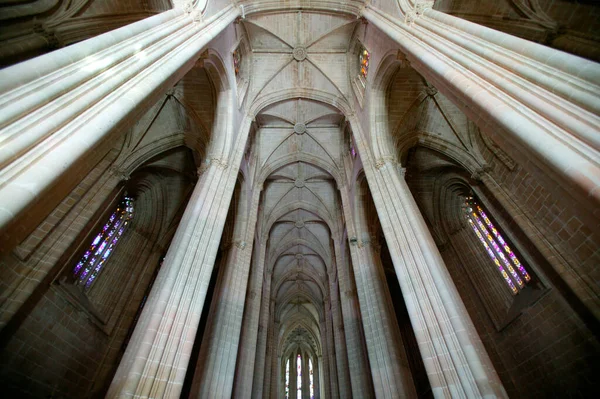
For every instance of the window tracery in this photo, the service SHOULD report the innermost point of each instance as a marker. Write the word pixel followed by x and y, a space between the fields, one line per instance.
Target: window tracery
pixel 512 270
pixel 93 260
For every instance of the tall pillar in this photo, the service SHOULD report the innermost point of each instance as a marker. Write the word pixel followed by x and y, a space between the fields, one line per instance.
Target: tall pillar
pixel 250 328
pixel 390 371
pixel 341 355
pixel 333 371
pixel 325 380
pixel 456 362
pixel 305 377
pixel 261 342
pixel 59 106
pixel 217 360
pixel 358 362
pixel 157 356
pixel 293 377
pixel 533 100
pixel 316 377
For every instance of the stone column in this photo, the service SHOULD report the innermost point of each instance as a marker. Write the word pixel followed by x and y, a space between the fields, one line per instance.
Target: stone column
pixel 332 358
pixel 58 107
pixel 248 341
pixel 325 380
pixel 305 377
pixel 358 361
pixel 343 376
pixel 293 377
pixel 390 371
pixel 271 364
pixel 316 377
pixel 454 357
pixel 389 367
pixel 533 100
pixel 157 356
pixel 261 342
pixel 218 353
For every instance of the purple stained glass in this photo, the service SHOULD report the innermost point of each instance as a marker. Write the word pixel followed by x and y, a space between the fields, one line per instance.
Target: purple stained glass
pixel 88 267
pixel 498 249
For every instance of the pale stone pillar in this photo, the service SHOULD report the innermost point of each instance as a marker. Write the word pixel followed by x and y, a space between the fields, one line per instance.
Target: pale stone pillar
pixel 305 377
pixel 218 353
pixel 332 358
pixel 532 99
pixel 316 378
pixel 326 380
pixel 341 355
pixel 293 377
pixel 358 363
pixel 322 378
pixel 455 359
pixel 389 367
pixel 261 342
pixel 271 366
pixel 244 372
pixel 157 356
pixel 57 107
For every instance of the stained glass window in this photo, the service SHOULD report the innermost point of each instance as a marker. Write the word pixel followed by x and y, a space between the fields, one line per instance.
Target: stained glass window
pixel 363 60
pixel 103 245
pixel 310 374
pixel 299 379
pixel 511 269
pixel 237 62
pixel 287 379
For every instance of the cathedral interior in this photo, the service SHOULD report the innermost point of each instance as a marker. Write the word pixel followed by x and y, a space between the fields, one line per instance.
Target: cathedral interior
pixel 299 199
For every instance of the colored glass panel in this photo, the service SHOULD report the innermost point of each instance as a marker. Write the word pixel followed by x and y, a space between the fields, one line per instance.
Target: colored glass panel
pixel 299 379
pixel 496 246
pixel 89 266
pixel 287 379
pixel 310 374
pixel 363 60
pixel 237 62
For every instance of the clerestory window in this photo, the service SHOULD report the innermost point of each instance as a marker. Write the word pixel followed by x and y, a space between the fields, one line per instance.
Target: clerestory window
pixel 287 379
pixel 312 384
pixel 93 260
pixel 299 378
pixel 507 263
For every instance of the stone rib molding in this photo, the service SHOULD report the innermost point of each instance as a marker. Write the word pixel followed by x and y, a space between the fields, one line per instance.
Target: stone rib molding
pixel 217 360
pixel 71 106
pixel 544 99
pixel 157 357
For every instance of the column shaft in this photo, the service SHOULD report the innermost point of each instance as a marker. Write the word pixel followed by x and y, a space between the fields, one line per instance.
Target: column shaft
pixel 72 99
pixel 244 372
pixel 545 100
pixel 358 361
pixel 157 356
pixel 217 359
pixel 456 362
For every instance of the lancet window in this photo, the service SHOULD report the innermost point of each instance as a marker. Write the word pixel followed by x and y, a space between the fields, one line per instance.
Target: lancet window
pixel 363 62
pixel 507 263
pixel 299 379
pixel 93 260
pixel 287 379
pixel 237 61
pixel 312 384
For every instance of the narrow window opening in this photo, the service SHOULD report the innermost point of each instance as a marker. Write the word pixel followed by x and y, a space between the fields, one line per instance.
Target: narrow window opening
pixel 299 379
pixel 509 266
pixel 91 263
